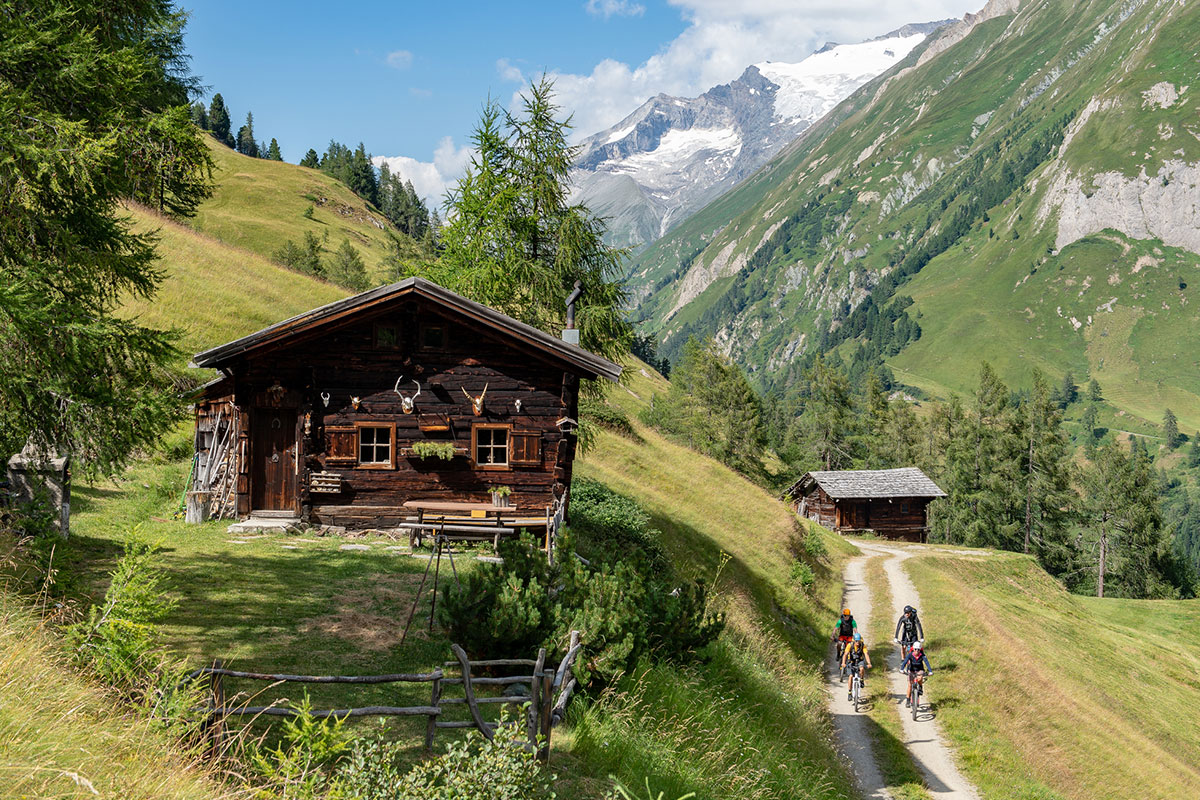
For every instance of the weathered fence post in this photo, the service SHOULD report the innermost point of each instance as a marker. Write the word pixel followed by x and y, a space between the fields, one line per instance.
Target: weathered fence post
pixel 533 721
pixel 216 718
pixel 546 705
pixel 434 701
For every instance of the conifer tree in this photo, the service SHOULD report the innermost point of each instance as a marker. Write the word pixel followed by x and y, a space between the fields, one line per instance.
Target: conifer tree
pixel 199 115
pixel 828 416
pixel 1046 475
pixel 346 268
pixel 311 159
pixel 514 241
pixel 95 110
pixel 1094 393
pixel 273 151
pixel 1171 429
pixel 218 120
pixel 246 145
pixel 1128 541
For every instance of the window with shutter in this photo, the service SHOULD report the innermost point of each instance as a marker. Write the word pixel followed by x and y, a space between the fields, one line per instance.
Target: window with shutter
pixel 526 448
pixel 341 446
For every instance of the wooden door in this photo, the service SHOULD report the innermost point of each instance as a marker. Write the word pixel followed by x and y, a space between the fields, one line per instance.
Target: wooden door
pixel 273 451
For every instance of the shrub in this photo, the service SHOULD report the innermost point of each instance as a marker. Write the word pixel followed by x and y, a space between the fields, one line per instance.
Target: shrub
pixel 814 545
pixel 119 638
pixel 609 526
pixel 802 575
pixel 302 764
pixel 604 415
pixel 477 769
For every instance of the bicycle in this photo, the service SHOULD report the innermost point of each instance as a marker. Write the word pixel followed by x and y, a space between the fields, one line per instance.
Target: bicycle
pixel 841 649
pixel 916 683
pixel 856 686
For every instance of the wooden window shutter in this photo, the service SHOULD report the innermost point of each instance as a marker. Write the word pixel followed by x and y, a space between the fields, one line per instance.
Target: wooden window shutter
pixel 341 446
pixel 525 448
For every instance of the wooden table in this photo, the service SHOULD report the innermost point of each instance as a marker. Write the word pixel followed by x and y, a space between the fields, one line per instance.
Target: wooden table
pixel 434 514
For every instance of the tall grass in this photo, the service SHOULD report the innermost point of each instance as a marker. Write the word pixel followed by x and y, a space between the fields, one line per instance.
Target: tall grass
pixel 63 738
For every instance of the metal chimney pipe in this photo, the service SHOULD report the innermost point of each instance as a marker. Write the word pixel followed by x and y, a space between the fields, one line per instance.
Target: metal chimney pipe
pixel 570 334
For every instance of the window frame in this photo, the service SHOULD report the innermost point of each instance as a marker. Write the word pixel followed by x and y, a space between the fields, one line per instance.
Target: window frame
pixel 491 426
pixel 375 341
pixel 390 427
pixel 422 330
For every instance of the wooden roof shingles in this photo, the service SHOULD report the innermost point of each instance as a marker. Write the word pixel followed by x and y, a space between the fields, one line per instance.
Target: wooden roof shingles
pixel 866 484
pixel 585 363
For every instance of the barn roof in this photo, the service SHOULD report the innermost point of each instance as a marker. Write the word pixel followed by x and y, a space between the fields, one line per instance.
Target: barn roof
pixel 863 484
pixel 588 364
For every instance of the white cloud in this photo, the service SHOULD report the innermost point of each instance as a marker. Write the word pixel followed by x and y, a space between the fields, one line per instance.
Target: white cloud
pixel 610 8
pixel 722 39
pixel 431 179
pixel 399 59
pixel 509 71
pixel 419 92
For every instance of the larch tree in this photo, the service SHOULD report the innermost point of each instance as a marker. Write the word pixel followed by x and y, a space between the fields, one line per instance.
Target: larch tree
pixel 95 104
pixel 514 242
pixel 1046 478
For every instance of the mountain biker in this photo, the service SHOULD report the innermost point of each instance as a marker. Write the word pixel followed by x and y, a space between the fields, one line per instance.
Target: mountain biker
pixel 853 658
pixel 916 666
pixel 843 630
pixel 909 628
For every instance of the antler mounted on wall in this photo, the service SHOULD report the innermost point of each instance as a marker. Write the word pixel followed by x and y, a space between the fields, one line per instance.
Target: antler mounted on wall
pixel 406 403
pixel 477 402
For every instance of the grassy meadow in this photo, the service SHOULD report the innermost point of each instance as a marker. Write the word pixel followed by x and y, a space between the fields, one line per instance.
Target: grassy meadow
pixel 1051 695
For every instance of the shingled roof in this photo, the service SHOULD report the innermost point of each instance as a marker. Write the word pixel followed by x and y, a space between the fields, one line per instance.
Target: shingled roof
pixel 587 364
pixel 866 484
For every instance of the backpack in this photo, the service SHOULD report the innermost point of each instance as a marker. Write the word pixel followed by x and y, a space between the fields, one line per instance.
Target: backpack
pixel 847 628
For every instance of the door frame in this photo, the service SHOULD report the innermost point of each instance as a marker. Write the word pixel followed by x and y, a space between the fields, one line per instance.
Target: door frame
pixel 295 474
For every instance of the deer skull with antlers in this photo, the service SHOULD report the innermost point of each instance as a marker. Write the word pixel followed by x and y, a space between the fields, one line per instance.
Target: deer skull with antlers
pixel 406 403
pixel 477 402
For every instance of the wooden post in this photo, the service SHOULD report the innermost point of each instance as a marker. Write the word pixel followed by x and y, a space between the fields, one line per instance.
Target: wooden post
pixel 547 701
pixel 535 704
pixel 197 508
pixel 216 719
pixel 435 701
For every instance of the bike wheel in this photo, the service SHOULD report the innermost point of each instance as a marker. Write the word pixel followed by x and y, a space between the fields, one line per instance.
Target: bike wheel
pixel 857 692
pixel 916 700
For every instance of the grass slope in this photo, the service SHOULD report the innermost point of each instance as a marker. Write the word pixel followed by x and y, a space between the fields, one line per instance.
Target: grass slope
pixel 61 738
pixel 1050 695
pixel 258 205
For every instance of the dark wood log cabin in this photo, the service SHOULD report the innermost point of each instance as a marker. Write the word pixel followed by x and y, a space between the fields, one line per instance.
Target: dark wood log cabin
pixel 315 419
pixel 890 502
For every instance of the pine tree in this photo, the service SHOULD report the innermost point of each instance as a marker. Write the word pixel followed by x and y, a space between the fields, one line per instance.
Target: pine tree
pixel 95 111
pixel 1069 390
pixel 273 152
pixel 1046 475
pixel 246 145
pixel 1171 430
pixel 311 159
pixel 218 120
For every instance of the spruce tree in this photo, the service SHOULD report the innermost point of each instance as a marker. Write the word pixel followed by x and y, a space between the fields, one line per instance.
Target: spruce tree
pixel 273 151
pixel 246 145
pixel 95 104
pixel 218 120
pixel 828 419
pixel 311 159
pixel 199 115
pixel 1171 429
pixel 1094 393
pixel 1046 475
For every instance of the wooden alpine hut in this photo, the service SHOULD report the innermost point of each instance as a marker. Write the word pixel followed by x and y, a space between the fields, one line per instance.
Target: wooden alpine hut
pixel 890 502
pixel 407 406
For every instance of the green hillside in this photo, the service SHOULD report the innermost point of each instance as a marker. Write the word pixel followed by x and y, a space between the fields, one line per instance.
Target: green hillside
pixel 1028 186
pixel 1050 695
pixel 259 204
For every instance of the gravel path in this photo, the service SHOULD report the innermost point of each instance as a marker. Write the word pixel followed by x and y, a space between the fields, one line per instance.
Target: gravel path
pixel 853 729
pixel 922 737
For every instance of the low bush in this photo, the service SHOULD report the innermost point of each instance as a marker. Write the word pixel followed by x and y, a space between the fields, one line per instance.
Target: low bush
pixel 610 526
pixel 802 575
pixel 301 766
pixel 814 545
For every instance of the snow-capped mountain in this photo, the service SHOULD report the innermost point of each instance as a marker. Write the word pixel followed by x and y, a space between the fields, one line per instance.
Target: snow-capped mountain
pixel 673 155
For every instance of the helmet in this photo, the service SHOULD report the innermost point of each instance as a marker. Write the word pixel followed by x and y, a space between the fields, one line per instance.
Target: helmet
pixel 845 612
pixel 917 648
pixel 857 636
pixel 909 610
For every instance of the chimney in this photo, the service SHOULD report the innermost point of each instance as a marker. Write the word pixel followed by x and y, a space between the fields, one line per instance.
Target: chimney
pixel 570 333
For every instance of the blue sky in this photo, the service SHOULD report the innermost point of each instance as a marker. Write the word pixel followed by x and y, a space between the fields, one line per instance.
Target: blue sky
pixel 408 79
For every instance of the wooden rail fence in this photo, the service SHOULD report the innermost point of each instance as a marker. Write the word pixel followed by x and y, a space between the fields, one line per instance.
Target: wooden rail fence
pixel 550 689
